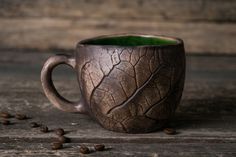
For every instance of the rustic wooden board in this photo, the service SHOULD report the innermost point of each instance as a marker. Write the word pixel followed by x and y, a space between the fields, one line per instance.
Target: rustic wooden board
pixel 207 26
pixel 59 33
pixel 168 10
pixel 124 149
pixel 205 119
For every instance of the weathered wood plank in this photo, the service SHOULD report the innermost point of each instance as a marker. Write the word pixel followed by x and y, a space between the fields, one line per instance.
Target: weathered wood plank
pixel 207 109
pixel 205 119
pixel 124 149
pixel 205 25
pixel 168 10
pixel 51 33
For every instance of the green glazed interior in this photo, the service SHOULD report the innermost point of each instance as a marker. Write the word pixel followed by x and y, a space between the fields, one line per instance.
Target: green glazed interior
pixel 130 41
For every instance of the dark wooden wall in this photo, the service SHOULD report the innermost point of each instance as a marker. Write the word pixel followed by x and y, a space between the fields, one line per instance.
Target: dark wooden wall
pixel 207 26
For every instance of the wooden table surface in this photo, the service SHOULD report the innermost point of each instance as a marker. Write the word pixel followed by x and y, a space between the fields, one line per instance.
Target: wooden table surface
pixel 205 120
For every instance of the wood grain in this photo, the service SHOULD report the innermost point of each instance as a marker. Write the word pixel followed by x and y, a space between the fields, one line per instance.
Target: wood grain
pixel 152 10
pixel 50 33
pixel 207 26
pixel 205 120
pixel 124 149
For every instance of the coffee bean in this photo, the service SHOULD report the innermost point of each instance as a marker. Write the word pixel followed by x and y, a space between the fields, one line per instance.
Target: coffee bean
pixel 21 116
pixel 34 125
pixel 84 150
pixel 6 122
pixel 44 129
pixel 99 147
pixel 59 131
pixel 56 145
pixel 5 115
pixel 169 131
pixel 63 139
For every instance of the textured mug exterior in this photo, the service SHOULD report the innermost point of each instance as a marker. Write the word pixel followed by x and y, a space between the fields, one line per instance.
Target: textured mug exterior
pixel 131 89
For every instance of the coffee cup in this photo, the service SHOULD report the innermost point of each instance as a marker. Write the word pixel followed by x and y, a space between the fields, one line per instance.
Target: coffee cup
pixel 129 83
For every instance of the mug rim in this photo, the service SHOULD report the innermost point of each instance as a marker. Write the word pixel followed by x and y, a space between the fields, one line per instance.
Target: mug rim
pixel 178 40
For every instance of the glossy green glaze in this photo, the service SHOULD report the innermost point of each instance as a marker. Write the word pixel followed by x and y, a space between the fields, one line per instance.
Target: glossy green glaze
pixel 130 41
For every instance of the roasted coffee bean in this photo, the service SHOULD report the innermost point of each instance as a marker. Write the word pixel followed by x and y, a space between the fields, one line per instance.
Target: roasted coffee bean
pixel 63 139
pixel 84 150
pixel 34 125
pixel 99 147
pixel 5 115
pixel 59 131
pixel 169 131
pixel 44 129
pixel 21 116
pixel 56 145
pixel 6 122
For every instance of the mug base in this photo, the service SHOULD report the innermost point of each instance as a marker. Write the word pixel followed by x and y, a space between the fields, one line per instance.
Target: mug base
pixel 137 128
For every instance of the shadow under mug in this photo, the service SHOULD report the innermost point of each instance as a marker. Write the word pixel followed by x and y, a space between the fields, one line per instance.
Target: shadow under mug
pixel 129 83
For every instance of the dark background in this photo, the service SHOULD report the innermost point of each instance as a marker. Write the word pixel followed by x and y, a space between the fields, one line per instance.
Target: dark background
pixel 206 26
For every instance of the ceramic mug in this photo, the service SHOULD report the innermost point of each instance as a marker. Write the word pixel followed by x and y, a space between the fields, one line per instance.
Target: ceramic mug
pixel 129 83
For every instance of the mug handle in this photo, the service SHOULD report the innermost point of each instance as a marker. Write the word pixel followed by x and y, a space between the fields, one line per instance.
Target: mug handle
pixel 49 89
